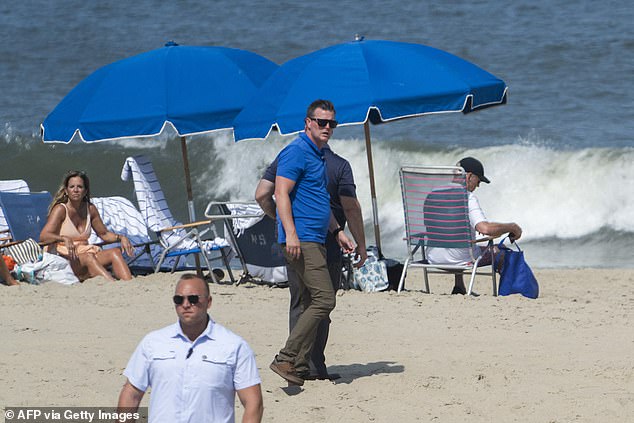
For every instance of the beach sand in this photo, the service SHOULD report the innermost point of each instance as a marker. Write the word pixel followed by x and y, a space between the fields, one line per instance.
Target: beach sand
pixel 565 357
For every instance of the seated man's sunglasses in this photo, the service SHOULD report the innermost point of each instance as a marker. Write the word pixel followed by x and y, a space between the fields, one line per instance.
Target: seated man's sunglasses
pixel 323 122
pixel 180 299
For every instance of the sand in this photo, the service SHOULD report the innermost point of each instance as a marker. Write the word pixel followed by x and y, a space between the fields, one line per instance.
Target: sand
pixel 565 357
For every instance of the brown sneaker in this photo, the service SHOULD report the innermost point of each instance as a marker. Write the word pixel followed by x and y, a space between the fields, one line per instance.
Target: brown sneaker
pixel 287 371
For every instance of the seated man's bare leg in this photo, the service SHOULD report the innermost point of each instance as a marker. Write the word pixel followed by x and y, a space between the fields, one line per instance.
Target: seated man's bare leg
pixel 459 287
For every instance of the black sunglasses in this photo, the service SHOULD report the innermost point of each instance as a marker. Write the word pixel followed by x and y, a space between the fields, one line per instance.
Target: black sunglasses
pixel 323 122
pixel 180 299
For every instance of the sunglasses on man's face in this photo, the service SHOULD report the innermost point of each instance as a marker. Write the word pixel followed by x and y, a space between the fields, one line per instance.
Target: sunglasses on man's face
pixel 180 299
pixel 323 122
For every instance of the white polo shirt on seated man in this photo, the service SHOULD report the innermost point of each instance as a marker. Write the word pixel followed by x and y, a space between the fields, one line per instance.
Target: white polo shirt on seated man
pixel 194 367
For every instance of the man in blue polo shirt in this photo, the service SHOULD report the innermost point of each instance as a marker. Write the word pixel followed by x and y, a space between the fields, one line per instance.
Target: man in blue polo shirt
pixel 346 210
pixel 303 215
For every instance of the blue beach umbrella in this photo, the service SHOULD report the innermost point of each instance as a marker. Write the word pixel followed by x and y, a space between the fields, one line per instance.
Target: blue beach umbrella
pixel 368 81
pixel 196 90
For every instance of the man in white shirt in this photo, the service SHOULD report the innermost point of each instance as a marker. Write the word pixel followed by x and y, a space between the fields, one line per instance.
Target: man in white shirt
pixel 474 175
pixel 194 366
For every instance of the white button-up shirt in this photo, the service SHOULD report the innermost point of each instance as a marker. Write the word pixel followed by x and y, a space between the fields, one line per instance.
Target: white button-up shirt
pixel 192 381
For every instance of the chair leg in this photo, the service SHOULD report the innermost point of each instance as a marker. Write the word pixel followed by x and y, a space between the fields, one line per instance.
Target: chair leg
pixel 160 261
pixel 493 277
pixel 209 269
pixel 225 260
pixel 473 274
pixel 426 277
pixel 401 282
pixel 175 265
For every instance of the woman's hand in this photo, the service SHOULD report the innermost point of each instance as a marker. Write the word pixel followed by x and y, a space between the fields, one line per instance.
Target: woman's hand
pixel 126 245
pixel 70 246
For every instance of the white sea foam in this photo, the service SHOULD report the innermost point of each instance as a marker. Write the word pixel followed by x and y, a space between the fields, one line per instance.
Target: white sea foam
pixel 550 193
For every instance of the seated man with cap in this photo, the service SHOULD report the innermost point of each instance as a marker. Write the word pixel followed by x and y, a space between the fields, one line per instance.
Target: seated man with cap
pixel 474 175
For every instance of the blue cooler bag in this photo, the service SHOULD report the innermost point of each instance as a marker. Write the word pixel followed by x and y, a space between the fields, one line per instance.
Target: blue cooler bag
pixel 516 277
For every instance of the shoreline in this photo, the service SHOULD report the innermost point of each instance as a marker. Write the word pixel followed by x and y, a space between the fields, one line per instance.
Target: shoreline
pixel 567 356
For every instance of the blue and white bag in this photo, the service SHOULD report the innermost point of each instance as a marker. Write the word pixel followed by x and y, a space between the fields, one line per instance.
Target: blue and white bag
pixel 372 276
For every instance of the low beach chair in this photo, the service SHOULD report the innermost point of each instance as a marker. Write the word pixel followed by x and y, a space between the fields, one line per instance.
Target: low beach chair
pixel 25 214
pixel 16 185
pixel 252 235
pixel 176 239
pixel 436 207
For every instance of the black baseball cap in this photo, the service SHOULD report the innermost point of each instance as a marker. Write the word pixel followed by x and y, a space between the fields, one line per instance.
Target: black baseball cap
pixel 469 164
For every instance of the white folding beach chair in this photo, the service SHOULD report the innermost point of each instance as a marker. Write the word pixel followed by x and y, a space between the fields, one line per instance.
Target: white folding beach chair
pixel 252 237
pixel 175 238
pixel 436 207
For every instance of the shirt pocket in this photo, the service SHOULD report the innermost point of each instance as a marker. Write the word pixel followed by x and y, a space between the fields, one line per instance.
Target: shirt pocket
pixel 162 363
pixel 216 369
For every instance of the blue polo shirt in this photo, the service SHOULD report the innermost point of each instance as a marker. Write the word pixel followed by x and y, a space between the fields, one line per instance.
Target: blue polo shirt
pixel 340 181
pixel 302 162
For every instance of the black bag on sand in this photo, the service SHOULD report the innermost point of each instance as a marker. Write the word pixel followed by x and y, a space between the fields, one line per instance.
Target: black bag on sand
pixel 394 270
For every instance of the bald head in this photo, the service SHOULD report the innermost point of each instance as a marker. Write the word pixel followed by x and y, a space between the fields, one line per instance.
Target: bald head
pixel 194 280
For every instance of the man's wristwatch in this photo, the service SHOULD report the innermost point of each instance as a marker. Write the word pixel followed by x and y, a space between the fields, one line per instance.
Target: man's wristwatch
pixel 336 231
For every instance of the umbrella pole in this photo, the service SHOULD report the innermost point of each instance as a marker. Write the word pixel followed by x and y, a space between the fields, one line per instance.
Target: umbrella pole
pixel 190 198
pixel 375 211
pixel 188 182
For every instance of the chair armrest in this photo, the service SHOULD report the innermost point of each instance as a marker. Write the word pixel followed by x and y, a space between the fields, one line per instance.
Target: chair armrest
pixel 9 244
pixel 187 225
pixel 485 239
pixel 143 244
pixel 213 204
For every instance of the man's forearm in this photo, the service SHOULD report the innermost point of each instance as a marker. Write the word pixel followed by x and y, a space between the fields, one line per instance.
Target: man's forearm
pixel 354 216
pixel 285 213
pixel 496 229
pixel 268 207
pixel 264 197
pixel 129 398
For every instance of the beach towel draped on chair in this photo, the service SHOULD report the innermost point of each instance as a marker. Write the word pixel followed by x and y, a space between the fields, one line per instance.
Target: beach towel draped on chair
pixel 436 208
pixel 121 217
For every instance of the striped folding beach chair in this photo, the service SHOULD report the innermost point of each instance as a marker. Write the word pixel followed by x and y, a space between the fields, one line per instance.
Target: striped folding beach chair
pixel 176 239
pixel 436 207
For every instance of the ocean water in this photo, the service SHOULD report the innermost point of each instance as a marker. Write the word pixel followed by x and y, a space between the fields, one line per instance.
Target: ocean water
pixel 559 154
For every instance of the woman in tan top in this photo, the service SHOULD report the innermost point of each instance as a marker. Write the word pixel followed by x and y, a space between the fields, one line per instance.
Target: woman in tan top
pixel 70 219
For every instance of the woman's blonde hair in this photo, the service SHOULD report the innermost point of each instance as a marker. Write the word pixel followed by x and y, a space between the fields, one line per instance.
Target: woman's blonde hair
pixel 62 197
